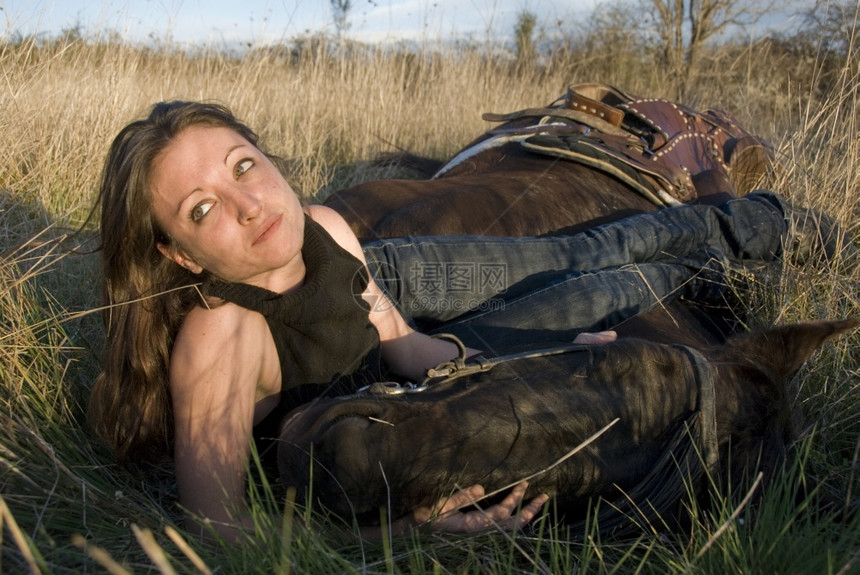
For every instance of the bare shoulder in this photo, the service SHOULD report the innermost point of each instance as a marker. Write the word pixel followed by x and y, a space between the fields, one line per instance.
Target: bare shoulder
pixel 337 228
pixel 224 341
pixel 219 324
pixel 326 217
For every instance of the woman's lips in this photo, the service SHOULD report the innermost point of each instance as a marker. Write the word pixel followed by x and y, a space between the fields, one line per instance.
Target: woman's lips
pixel 269 229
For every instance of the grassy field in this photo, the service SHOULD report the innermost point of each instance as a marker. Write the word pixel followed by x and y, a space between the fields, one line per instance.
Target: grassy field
pixel 66 508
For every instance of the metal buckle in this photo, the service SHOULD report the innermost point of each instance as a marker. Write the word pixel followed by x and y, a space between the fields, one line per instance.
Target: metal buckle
pixel 391 388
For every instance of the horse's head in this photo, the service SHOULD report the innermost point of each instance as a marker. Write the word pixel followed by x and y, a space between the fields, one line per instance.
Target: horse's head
pixel 755 419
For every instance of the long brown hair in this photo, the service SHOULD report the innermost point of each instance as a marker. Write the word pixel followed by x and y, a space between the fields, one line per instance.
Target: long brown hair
pixel 146 295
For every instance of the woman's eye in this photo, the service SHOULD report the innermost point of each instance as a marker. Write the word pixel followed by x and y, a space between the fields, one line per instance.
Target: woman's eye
pixel 244 166
pixel 199 211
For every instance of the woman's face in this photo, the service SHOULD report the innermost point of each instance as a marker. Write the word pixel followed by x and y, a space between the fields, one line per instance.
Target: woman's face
pixel 227 209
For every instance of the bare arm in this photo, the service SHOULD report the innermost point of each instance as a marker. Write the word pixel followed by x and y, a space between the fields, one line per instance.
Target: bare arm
pixel 218 371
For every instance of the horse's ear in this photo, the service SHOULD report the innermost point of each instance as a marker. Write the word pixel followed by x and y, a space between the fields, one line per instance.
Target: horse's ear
pixel 785 348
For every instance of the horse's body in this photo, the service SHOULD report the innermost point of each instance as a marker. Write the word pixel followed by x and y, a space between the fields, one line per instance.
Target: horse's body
pixel 511 422
pixel 505 192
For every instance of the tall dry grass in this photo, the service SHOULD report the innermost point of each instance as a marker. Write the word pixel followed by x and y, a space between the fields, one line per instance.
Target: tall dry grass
pixel 63 502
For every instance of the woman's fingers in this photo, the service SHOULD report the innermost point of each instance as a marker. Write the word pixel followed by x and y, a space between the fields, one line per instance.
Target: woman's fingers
pixel 447 516
pixel 596 338
pixel 531 510
pixel 508 506
pixel 505 515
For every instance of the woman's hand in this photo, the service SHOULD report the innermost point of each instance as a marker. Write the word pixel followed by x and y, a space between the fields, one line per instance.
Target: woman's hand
pixel 597 338
pixel 446 515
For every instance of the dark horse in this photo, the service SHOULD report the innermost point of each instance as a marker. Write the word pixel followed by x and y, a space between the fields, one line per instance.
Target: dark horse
pixel 634 423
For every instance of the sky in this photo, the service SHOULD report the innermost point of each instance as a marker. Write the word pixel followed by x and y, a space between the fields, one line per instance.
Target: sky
pixel 265 21
pixel 226 22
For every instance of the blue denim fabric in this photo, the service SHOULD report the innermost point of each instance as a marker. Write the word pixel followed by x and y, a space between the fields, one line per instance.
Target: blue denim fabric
pixel 505 290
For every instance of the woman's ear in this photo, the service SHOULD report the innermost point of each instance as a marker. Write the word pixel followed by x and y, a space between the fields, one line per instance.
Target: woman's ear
pixel 180 257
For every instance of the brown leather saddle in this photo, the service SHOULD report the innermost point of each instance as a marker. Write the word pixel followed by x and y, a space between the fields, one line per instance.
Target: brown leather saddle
pixel 661 148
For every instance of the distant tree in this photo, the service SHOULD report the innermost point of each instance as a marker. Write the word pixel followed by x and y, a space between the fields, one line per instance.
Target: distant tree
pixel 829 41
pixel 610 44
pixel 71 34
pixel 340 13
pixel 835 26
pixel 524 37
pixel 683 27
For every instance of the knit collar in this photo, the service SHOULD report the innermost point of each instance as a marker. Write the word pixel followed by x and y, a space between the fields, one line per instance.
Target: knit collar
pixel 318 262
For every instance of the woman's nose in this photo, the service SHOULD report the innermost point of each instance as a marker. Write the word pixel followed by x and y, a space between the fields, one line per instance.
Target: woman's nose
pixel 248 206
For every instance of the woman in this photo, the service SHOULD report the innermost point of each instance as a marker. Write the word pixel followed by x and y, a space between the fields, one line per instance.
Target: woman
pixel 230 302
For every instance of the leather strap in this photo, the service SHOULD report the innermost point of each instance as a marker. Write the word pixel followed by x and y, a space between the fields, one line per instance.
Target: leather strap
pixel 581 103
pixel 707 407
pixel 577 116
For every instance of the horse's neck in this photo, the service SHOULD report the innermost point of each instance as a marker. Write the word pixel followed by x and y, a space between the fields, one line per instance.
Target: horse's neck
pixel 677 323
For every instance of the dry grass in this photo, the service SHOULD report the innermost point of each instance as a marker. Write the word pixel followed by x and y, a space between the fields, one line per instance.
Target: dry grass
pixel 59 107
